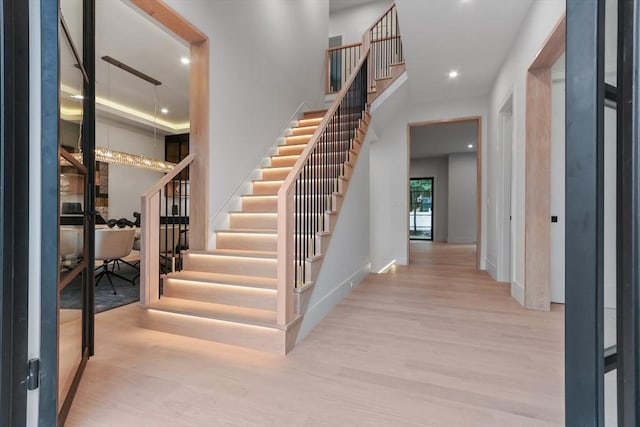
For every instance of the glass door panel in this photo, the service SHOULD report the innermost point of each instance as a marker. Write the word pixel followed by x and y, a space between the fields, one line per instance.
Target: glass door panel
pixel 421 209
pixel 74 270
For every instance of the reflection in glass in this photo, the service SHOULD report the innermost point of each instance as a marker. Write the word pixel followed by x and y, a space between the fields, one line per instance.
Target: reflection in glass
pixel 72 198
pixel 610 399
pixel 611 42
pixel 72 183
pixel 610 150
pixel 70 335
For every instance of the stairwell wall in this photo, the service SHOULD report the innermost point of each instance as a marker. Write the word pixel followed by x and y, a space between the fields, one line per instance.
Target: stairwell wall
pixel 347 261
pixel 266 57
pixel 511 80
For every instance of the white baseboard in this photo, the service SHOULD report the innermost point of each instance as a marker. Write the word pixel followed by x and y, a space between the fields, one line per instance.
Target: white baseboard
pixel 319 310
pixel 492 269
pixel 517 292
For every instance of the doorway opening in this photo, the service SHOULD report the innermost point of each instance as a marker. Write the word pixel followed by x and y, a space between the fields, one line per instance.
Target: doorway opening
pixel 505 266
pixel 444 183
pixel 421 209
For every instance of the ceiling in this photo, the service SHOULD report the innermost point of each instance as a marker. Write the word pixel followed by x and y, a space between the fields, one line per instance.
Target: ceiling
pixel 443 138
pixel 337 5
pixel 131 37
pixel 470 36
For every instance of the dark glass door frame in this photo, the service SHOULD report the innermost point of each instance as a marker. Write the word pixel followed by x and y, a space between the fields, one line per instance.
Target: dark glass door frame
pixel 584 233
pixel 50 113
pixel 14 211
pixel 433 197
pixel 587 95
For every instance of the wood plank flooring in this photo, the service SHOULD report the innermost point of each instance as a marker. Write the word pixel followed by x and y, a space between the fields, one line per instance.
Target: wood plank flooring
pixel 436 343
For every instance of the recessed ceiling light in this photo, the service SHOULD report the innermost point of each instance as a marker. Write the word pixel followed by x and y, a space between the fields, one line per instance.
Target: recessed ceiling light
pixel 470 145
pixel 164 111
pixel 76 97
pixel 453 74
pixel 185 60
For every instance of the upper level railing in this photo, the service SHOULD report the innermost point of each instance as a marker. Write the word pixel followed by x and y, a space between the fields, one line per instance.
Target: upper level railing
pixel 383 38
pixel 164 229
pixel 309 191
pixel 384 43
pixel 341 61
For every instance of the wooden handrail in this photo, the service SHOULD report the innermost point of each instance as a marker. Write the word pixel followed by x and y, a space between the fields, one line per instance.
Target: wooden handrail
pixel 386 38
pixel 367 34
pixel 169 176
pixel 377 21
pixel 287 185
pixel 285 276
pixel 150 239
pixel 346 46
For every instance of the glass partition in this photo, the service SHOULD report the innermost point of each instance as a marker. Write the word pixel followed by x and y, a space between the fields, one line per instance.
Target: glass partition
pixel 74 271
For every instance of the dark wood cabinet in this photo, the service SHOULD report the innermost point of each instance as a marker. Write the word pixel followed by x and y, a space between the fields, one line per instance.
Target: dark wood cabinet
pixel 176 148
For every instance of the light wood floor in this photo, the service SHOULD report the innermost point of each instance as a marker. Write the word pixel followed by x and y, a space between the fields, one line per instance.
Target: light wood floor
pixel 432 344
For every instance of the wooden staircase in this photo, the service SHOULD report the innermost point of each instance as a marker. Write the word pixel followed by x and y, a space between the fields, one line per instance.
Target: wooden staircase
pixel 230 294
pixel 381 84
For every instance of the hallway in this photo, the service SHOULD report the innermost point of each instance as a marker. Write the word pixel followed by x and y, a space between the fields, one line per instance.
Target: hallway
pixel 436 343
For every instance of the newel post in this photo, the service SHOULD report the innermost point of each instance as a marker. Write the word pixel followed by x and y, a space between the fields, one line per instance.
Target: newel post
pixel 285 279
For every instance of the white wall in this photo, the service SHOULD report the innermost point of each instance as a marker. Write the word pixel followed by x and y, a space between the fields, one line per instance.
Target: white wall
pixel 346 262
pixel 351 23
pixel 462 198
pixel 511 79
pixel 127 184
pixel 266 58
pixel 438 168
pixel 389 169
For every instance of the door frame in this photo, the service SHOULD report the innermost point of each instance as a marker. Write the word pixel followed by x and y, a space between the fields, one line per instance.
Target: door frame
pixel 537 239
pixel 433 198
pixel 505 267
pixel 198 115
pixel 478 120
pixel 14 212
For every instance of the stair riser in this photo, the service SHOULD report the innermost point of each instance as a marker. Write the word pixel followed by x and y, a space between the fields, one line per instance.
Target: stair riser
pixel 303 130
pixel 256 222
pixel 312 271
pixel 266 188
pixel 220 294
pixel 231 265
pixel 247 242
pixel 259 205
pixel 314 114
pixel 321 243
pixel 309 122
pixel 292 140
pixel 273 174
pixel 264 339
pixel 350 132
pixel 278 162
pixel 295 150
pixel 313 187
pixel 283 150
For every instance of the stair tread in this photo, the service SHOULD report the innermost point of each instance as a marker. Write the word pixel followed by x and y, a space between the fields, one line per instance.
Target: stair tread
pixel 264 196
pixel 225 279
pixel 268 213
pixel 310 128
pixel 251 316
pixel 247 231
pixel 237 253
pixel 253 213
